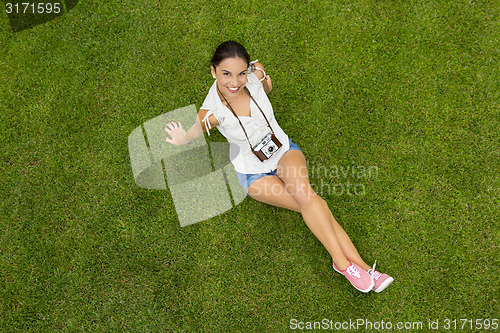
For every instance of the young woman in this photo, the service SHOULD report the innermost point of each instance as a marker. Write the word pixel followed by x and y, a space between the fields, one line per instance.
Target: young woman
pixel 270 167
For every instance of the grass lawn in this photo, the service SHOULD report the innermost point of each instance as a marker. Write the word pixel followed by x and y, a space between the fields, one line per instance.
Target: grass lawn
pixel 407 89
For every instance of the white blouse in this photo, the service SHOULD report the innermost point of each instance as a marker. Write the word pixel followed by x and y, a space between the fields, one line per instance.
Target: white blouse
pixel 241 156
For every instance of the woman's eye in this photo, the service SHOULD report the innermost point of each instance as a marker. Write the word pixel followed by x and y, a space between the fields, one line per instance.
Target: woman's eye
pixel 226 74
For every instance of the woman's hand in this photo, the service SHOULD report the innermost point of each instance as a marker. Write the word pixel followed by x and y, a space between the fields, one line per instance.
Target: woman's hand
pixel 176 132
pixel 269 84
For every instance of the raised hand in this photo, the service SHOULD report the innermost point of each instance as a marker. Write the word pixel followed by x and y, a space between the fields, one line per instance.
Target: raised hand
pixel 269 84
pixel 176 132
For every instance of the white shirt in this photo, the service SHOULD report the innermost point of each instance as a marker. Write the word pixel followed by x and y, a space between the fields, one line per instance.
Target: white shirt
pixel 244 161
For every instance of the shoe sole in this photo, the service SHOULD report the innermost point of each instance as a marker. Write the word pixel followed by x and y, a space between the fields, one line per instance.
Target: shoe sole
pixel 365 290
pixel 384 285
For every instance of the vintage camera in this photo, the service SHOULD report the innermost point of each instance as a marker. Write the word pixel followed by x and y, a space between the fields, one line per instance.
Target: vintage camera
pixel 267 147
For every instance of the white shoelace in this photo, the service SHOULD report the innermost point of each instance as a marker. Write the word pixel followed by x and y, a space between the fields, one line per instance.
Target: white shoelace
pixel 352 271
pixel 374 274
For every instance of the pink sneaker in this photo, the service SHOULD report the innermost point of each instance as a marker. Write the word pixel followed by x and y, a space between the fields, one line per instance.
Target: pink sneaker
pixel 381 281
pixel 358 277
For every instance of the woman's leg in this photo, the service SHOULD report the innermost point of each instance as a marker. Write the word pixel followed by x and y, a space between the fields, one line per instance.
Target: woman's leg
pixel 349 249
pixel 292 170
pixel 271 190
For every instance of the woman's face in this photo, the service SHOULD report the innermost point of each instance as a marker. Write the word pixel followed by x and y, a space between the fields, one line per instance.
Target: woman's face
pixel 231 75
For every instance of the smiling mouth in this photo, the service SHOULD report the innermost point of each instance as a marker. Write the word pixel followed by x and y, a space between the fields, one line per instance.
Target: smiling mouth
pixel 233 90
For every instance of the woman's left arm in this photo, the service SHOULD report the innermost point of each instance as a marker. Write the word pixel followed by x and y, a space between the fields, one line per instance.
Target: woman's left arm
pixel 266 83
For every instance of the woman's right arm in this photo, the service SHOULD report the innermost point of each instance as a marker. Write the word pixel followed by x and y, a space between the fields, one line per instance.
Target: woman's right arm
pixel 180 137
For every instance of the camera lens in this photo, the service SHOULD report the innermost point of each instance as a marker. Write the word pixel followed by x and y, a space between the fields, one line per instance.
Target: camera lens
pixel 270 149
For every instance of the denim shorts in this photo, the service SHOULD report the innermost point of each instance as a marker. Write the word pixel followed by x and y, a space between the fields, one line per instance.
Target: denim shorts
pixel 246 179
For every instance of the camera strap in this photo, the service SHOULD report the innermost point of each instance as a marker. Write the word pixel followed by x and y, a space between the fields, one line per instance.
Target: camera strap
pixel 234 113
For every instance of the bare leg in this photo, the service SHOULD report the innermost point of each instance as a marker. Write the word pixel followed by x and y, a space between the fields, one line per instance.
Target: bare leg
pixel 272 190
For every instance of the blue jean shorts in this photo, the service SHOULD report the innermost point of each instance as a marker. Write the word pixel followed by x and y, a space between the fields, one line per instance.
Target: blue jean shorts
pixel 246 179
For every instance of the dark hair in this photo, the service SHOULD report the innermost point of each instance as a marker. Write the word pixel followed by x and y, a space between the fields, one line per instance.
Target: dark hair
pixel 230 49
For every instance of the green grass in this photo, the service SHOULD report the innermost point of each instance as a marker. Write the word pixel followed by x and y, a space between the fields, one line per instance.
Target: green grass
pixel 410 87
